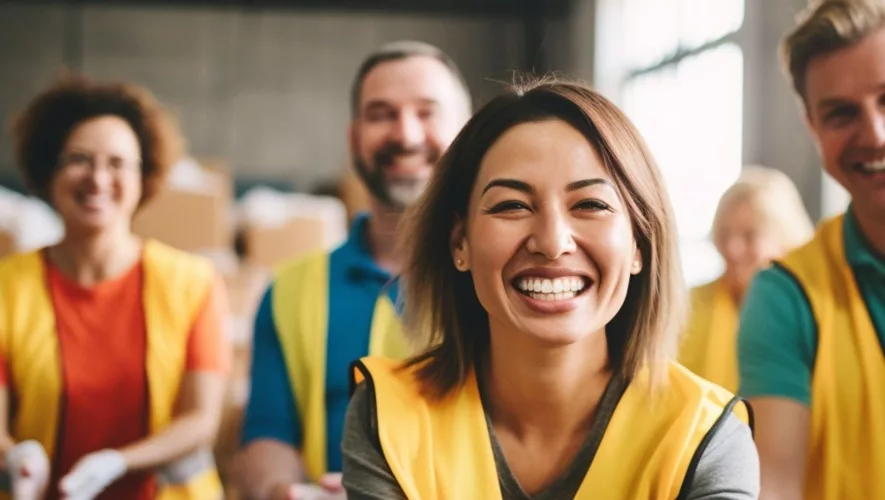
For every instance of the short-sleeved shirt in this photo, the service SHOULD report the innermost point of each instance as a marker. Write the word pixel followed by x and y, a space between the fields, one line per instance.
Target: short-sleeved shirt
pixel 102 338
pixel 777 342
pixel 355 283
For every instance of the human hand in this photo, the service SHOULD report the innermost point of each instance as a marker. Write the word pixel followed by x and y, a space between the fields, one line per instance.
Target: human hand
pixel 92 474
pixel 328 488
pixel 28 468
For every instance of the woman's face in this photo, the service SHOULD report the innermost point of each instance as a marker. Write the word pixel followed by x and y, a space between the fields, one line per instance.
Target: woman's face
pixel 98 184
pixel 547 239
pixel 746 244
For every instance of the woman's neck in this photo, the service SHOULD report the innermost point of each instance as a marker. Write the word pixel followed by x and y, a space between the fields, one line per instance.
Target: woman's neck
pixel 94 257
pixel 549 391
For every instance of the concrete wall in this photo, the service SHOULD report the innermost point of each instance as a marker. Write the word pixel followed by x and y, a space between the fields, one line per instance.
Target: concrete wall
pixel 266 90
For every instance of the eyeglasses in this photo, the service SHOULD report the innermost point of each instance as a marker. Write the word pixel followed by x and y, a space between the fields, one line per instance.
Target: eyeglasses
pixel 78 162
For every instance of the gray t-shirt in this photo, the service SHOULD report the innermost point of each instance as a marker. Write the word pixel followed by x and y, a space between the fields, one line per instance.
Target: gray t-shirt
pixel 728 468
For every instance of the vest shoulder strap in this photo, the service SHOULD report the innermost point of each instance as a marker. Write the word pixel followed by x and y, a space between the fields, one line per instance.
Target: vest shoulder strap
pixel 21 276
pixel 439 448
pixel 300 308
pixel 730 408
pixel 813 267
pixel 804 263
pixel 183 278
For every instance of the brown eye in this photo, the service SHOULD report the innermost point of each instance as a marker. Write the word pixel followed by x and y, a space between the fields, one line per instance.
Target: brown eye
pixel 591 205
pixel 840 115
pixel 508 206
pixel 76 159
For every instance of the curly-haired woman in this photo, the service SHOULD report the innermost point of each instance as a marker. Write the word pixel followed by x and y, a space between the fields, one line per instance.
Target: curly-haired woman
pixel 112 358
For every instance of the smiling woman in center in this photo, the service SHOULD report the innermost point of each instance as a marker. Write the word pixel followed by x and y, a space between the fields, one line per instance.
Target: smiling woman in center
pixel 542 272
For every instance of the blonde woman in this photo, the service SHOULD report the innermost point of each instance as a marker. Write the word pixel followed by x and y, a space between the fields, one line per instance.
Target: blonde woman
pixel 760 218
pixel 542 263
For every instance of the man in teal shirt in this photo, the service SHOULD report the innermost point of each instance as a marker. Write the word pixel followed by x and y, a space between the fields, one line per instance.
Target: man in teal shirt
pixel 835 57
pixel 778 335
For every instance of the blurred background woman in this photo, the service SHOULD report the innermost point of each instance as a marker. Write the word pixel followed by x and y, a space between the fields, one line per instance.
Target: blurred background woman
pixel 112 354
pixel 759 218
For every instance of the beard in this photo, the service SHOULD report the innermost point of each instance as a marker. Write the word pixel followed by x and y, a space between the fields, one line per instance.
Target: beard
pixel 397 193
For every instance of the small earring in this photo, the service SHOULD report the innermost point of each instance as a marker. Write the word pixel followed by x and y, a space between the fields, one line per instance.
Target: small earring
pixel 636 265
pixel 459 263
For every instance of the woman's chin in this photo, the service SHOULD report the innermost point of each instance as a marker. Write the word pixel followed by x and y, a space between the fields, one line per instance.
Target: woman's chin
pixel 557 333
pixel 90 223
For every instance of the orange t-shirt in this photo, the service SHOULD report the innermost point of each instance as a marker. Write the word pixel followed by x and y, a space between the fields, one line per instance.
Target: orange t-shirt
pixel 103 343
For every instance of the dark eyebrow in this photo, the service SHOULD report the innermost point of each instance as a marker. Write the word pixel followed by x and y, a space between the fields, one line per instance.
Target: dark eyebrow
pixel 380 104
pixel 528 189
pixel 832 102
pixel 377 105
pixel 427 101
pixel 509 183
pixel 574 186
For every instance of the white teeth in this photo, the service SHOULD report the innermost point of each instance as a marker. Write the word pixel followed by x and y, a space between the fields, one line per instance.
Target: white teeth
pixel 552 296
pixel 93 199
pixel 874 166
pixel 551 289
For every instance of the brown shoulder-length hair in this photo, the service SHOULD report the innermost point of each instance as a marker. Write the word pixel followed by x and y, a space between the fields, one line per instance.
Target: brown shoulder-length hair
pixel 39 133
pixel 441 306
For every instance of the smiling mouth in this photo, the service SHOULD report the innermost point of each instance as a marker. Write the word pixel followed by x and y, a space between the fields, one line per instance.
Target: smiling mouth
pixel 552 289
pixel 869 167
pixel 93 200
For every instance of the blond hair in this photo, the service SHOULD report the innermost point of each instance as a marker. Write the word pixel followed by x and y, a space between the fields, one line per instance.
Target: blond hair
pixel 775 200
pixel 441 304
pixel 825 26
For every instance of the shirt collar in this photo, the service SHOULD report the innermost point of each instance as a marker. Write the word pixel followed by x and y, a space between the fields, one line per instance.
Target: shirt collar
pixel 858 252
pixel 359 262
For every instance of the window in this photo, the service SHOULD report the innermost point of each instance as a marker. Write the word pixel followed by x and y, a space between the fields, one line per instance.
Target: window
pixel 681 82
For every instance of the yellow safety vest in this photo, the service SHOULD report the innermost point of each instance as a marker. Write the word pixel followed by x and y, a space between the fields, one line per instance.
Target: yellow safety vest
pixel 301 316
pixel 847 448
pixel 175 286
pixel 442 449
pixel 709 348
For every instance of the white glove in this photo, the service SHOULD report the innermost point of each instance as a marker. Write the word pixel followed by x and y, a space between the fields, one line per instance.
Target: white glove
pixel 28 468
pixel 92 474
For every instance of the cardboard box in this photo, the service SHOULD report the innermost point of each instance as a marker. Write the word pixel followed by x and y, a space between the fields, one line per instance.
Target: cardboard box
pixel 190 220
pixel 267 246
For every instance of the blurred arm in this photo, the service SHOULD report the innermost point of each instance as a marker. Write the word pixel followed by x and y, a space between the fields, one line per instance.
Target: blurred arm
pixel 776 349
pixel 782 434
pixel 198 411
pixel 269 462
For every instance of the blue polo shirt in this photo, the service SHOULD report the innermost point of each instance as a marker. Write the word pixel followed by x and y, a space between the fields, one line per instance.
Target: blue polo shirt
pixel 355 282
